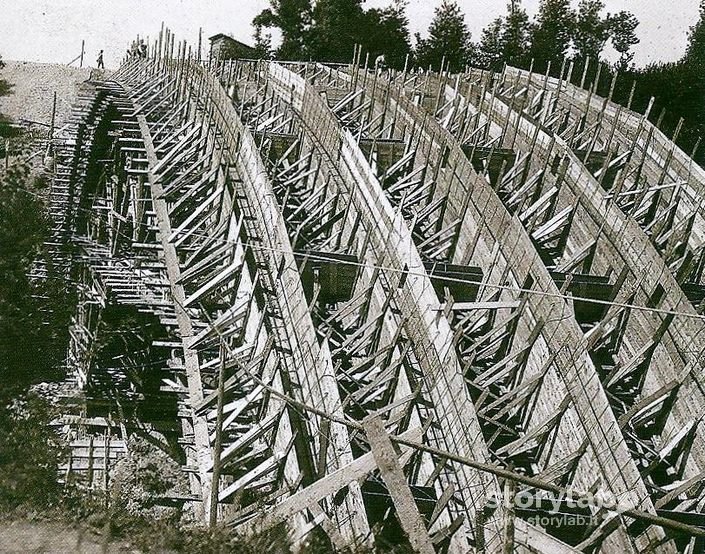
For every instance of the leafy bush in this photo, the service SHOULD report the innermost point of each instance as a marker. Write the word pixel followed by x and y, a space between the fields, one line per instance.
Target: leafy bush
pixel 33 314
pixel 30 452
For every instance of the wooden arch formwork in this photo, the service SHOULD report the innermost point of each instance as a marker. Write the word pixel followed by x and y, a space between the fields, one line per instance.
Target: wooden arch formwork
pixel 344 294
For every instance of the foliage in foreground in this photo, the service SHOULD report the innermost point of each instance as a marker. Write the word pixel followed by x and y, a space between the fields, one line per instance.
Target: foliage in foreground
pixel 30 452
pixel 6 128
pixel 33 313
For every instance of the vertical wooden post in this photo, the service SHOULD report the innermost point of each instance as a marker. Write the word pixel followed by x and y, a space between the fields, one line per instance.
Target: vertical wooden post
pixel 90 462
pixel 480 531
pixel 612 86
pixel 695 148
pixel 650 107
pixel 53 118
pixel 562 75
pixel 200 40
pixel 509 492
pixel 160 42
pixel 441 84
pixel 631 95
pixel 83 50
pixel 585 70
pixel 356 65
pixel 569 76
pixel 408 514
pixel 218 446
pixel 544 89
pixel 50 145
pixel 669 156
pixel 596 83
pixel 106 462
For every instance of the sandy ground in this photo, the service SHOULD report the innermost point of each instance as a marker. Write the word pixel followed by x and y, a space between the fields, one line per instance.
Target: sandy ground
pixel 34 86
pixel 53 538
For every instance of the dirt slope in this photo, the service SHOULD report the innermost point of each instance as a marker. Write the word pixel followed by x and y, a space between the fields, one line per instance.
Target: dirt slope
pixel 34 86
pixel 54 538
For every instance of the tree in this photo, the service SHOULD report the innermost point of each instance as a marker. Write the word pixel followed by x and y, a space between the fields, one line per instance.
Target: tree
pixel 506 40
pixel 552 31
pixel 29 336
pixel 490 51
pixel 622 27
pixel 386 31
pixel 328 30
pixel 30 453
pixel 516 35
pixel 591 30
pixel 34 313
pixel 23 331
pixel 335 29
pixel 263 43
pixel 293 19
pixel 448 38
pixel 695 53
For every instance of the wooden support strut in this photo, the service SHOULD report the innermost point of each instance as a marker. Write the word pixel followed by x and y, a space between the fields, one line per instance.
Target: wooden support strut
pixel 393 476
pixel 191 363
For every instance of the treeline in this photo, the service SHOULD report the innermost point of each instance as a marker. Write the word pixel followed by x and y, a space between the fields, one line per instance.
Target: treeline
pixel 328 30
pixel 679 89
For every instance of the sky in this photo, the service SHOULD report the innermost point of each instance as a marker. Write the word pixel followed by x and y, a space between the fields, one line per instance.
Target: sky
pixel 52 30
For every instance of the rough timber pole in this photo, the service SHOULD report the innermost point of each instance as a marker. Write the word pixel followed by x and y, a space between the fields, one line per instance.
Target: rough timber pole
pixel 218 446
pixel 191 363
pixel 509 493
pixel 53 118
pixel 393 476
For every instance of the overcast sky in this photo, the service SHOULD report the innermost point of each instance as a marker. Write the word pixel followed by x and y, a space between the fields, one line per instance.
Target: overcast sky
pixel 52 30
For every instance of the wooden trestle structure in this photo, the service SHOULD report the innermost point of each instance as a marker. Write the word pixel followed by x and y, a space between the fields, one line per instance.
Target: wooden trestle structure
pixel 284 269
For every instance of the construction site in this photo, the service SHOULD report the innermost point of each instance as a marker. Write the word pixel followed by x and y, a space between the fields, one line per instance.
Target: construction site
pixel 450 312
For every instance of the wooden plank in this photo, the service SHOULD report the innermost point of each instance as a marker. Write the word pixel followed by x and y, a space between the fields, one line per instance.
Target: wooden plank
pixel 221 276
pixel 205 205
pixel 463 306
pixel 265 467
pixel 178 148
pixel 406 510
pixel 510 488
pixel 252 435
pixel 185 326
pixel 356 470
pixel 680 488
pixel 539 540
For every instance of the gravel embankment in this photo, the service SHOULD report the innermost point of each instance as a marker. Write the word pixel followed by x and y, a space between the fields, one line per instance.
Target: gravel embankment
pixel 34 87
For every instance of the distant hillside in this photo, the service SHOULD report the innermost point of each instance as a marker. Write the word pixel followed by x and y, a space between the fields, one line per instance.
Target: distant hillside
pixel 34 86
